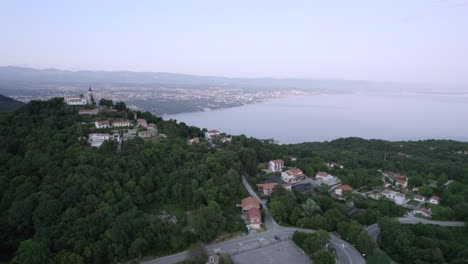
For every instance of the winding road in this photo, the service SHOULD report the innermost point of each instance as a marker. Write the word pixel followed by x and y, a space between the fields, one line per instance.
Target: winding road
pixel 374 230
pixel 275 233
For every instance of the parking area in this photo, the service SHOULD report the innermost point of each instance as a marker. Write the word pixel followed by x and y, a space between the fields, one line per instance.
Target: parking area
pixel 282 252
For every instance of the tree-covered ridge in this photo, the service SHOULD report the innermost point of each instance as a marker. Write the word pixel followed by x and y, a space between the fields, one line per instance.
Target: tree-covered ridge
pixel 64 201
pixel 8 104
pixel 424 243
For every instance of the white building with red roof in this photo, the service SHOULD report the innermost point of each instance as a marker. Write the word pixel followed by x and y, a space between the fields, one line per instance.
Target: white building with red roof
pixel 422 211
pixel 327 179
pixel 434 200
pixel 255 218
pixel 142 122
pixel 343 188
pixel 403 183
pixel 292 175
pixel 419 198
pixel 211 133
pixel 249 203
pixel 396 197
pixel 276 165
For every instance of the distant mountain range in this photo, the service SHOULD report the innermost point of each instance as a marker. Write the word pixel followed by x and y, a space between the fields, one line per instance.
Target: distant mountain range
pixel 11 73
pixel 8 104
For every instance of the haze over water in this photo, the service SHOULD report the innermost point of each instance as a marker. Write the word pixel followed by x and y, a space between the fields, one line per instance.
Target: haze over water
pixel 326 117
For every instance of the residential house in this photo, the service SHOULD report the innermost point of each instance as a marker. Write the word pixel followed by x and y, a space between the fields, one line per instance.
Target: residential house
pixel 213 259
pixel 120 123
pixel 293 175
pixel 396 197
pixel 76 100
pixel 343 188
pixel 255 218
pixel 267 188
pixel 434 200
pixel 194 140
pixel 249 203
pixel 88 111
pixel 251 206
pixel 422 211
pixel 96 139
pixel 327 179
pixel 102 124
pixel 394 176
pixel 419 198
pixel 403 183
pixel 276 165
pixel 211 133
pixel 142 122
pixel 152 126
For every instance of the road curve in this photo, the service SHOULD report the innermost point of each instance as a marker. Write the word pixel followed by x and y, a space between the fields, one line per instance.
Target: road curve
pixel 345 252
pixel 374 230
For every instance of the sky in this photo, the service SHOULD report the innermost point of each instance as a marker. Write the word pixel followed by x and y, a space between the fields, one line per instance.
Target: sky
pixel 395 40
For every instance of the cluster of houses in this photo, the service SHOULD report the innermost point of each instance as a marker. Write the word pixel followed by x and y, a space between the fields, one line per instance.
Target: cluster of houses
pixel 251 209
pixel 96 139
pixel 292 175
pixel 209 135
pixel 399 185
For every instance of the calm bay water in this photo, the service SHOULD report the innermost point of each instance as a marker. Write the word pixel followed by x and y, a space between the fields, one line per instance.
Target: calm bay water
pixel 327 117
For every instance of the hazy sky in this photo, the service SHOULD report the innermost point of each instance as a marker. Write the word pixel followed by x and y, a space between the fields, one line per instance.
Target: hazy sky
pixel 407 40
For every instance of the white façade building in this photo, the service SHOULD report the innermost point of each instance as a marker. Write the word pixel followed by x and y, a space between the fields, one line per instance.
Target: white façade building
pixel 76 100
pixel 121 123
pixel 96 139
pixel 102 124
pixel 276 165
pixel 396 197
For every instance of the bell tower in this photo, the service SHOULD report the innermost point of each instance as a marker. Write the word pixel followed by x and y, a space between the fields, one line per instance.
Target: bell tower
pixel 90 95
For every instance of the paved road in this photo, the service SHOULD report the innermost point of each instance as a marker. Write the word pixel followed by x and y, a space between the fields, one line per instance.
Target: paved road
pixel 374 230
pixel 345 252
pixel 411 219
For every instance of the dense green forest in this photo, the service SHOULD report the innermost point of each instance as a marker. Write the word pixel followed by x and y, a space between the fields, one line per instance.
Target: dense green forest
pixel 63 201
pixel 424 243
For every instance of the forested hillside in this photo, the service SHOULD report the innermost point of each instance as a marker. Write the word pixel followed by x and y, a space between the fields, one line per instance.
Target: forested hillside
pixel 64 201
pixel 9 104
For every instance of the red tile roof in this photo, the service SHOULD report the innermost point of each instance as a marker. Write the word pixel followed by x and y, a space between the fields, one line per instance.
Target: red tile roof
pixel 254 215
pixel 267 186
pixel 345 188
pixel 249 202
pixel 423 210
pixel 277 161
pixel 321 174
pixel 419 197
pixel 437 198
